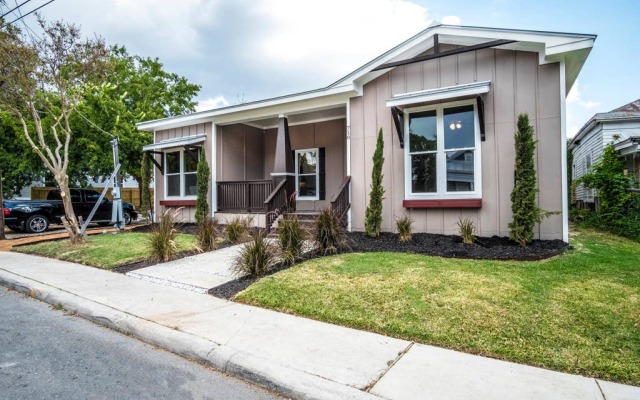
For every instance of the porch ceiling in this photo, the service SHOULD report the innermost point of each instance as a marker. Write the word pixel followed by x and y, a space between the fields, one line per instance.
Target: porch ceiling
pixel 301 118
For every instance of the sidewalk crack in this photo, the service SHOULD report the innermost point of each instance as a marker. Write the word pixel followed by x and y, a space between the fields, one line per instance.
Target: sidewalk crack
pixel 600 388
pixel 389 366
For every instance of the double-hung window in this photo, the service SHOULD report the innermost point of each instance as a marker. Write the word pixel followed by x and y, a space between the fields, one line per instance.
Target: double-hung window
pixel 442 159
pixel 180 173
pixel 307 176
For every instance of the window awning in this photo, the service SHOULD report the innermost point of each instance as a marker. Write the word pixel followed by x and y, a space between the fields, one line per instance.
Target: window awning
pixel 444 93
pixel 176 142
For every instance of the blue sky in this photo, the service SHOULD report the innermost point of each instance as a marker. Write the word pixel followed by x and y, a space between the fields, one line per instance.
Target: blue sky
pixel 244 50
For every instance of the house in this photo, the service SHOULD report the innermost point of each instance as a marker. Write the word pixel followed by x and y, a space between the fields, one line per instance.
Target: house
pixel 447 100
pixel 621 127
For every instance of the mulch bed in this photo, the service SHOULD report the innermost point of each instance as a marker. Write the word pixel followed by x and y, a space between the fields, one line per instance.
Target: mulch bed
pixel 492 248
pixel 483 248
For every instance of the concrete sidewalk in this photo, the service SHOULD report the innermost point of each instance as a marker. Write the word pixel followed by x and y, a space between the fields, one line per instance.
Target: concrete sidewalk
pixel 295 356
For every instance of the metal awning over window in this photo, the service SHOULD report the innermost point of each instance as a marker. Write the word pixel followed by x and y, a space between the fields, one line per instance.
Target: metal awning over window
pixel 175 142
pixel 189 143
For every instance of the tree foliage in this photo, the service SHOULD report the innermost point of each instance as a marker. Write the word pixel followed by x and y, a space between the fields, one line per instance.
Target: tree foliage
pixel 524 206
pixel 373 214
pixel 619 209
pixel 138 89
pixel 202 183
pixel 42 85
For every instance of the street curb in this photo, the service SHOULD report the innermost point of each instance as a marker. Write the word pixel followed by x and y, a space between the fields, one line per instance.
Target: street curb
pixel 286 381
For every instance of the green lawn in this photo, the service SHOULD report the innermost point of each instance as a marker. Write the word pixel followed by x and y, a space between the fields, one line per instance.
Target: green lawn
pixel 578 312
pixel 105 251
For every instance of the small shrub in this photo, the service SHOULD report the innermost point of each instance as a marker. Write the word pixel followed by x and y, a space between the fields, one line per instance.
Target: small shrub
pixel 404 226
pixel 237 229
pixel 202 187
pixel 162 239
pixel 291 238
pixel 467 229
pixel 255 258
pixel 330 234
pixel 207 234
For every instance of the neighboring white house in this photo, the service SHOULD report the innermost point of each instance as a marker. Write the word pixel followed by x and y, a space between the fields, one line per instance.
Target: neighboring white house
pixel 620 126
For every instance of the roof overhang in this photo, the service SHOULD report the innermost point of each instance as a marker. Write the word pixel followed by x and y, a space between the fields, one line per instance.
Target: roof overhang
pixel 570 48
pixel 176 142
pixel 599 118
pixel 628 146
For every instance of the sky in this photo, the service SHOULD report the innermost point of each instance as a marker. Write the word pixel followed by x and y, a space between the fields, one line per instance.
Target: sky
pixel 246 50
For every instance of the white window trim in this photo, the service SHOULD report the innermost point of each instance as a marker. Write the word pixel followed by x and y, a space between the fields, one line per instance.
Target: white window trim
pixel 441 162
pixel 183 154
pixel 317 196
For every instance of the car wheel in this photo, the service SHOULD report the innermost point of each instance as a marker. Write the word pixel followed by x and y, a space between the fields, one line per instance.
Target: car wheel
pixel 127 218
pixel 37 224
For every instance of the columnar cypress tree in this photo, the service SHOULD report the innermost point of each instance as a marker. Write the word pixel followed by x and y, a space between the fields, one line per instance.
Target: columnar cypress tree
pixel 202 179
pixel 373 215
pixel 526 213
pixel 145 182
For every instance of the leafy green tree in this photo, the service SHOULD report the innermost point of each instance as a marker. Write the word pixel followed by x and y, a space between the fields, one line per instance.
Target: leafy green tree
pixel 139 89
pixel 607 176
pixel 43 78
pixel 524 207
pixel 19 165
pixel 202 182
pixel 373 214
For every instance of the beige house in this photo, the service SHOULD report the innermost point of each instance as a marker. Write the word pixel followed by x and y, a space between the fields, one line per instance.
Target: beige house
pixel 447 101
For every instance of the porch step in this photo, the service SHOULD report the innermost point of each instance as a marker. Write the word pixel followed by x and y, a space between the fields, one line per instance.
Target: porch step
pixel 306 216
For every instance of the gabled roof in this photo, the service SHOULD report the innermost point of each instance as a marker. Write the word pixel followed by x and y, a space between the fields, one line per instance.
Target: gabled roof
pixel 573 48
pixel 629 111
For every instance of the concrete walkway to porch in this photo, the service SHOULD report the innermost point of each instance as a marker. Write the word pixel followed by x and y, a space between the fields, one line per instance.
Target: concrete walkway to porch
pixel 197 273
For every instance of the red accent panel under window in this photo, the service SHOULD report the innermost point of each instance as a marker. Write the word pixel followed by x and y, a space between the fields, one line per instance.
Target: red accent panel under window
pixel 177 203
pixel 454 203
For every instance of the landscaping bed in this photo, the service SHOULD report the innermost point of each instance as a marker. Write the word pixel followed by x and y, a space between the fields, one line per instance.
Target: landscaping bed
pixel 483 248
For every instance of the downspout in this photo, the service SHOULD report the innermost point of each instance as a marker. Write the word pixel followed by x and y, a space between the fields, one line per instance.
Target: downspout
pixel 349 161
pixel 563 152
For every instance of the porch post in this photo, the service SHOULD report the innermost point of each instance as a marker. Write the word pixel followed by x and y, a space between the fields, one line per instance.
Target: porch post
pixel 283 167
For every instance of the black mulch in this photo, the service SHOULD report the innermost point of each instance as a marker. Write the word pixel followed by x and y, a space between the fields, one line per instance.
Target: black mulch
pixel 492 248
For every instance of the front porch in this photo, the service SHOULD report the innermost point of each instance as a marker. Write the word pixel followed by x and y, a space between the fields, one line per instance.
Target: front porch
pixel 261 163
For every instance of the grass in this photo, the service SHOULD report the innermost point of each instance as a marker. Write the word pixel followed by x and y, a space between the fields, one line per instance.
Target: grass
pixel 105 251
pixel 578 312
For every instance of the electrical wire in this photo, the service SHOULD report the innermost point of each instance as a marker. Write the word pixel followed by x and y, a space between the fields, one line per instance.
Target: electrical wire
pixel 14 8
pixel 30 12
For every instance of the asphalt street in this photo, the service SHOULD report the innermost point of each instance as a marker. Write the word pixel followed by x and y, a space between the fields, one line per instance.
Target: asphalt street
pixel 48 354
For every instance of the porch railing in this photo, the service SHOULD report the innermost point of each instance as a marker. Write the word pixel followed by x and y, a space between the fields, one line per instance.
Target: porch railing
pixel 244 196
pixel 276 199
pixel 340 201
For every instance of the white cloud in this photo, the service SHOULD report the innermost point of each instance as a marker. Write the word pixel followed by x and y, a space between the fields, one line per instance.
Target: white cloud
pixel 579 111
pixel 451 20
pixel 211 103
pixel 575 97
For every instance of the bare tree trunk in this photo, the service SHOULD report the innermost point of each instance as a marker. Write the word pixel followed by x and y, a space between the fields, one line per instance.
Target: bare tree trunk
pixel 1 210
pixel 70 222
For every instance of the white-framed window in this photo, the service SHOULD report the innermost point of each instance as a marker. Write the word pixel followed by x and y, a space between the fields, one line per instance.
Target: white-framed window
pixel 442 152
pixel 307 174
pixel 180 174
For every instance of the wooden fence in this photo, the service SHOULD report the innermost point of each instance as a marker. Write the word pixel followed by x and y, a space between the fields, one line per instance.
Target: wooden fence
pixel 129 195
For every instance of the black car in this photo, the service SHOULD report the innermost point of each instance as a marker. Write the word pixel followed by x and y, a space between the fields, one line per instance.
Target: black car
pixel 34 216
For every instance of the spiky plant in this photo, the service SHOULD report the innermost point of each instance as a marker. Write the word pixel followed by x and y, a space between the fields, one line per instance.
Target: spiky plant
pixel 256 257
pixel 404 227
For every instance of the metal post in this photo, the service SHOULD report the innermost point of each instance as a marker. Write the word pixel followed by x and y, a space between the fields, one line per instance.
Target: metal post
pixel 1 210
pixel 118 212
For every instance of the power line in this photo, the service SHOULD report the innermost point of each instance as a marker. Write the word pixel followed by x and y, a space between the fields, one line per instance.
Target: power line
pixel 15 8
pixel 30 12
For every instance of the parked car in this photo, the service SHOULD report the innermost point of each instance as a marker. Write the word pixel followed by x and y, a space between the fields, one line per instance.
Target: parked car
pixel 34 216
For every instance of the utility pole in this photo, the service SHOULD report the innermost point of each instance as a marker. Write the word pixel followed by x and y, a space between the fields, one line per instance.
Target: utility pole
pixel 1 210
pixel 118 212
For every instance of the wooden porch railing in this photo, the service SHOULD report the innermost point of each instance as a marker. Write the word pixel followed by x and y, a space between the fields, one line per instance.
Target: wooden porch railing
pixel 276 199
pixel 340 201
pixel 244 196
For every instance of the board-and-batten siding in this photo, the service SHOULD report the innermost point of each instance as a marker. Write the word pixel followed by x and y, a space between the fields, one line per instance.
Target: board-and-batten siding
pixel 184 214
pixel 518 84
